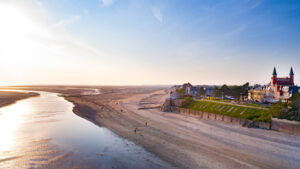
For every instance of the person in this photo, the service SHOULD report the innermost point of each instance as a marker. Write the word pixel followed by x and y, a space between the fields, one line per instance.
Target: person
pixel 135 130
pixel 146 123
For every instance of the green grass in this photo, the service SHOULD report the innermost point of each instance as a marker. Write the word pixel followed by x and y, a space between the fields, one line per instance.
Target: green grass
pixel 217 99
pixel 230 110
pixel 229 101
pixel 257 105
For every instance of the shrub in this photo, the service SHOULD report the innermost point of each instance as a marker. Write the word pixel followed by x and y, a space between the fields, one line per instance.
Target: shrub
pixel 187 101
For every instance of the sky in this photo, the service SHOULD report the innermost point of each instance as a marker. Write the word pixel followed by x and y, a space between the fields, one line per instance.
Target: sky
pixel 148 42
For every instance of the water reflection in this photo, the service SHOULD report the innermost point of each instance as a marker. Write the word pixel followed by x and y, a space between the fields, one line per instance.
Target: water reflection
pixel 43 132
pixel 11 118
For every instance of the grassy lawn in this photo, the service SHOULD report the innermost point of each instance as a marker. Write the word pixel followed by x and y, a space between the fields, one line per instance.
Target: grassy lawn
pixel 217 99
pixel 230 110
pixel 229 101
pixel 257 105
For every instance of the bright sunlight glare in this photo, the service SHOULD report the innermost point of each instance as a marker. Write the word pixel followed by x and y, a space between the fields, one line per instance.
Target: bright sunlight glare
pixel 17 31
pixel 11 118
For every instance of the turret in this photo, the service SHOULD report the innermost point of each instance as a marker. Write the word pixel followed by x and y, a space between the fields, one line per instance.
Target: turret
pixel 292 75
pixel 291 72
pixel 274 77
pixel 274 72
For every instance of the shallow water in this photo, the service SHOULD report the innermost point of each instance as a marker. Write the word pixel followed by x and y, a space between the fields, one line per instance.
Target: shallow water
pixel 43 132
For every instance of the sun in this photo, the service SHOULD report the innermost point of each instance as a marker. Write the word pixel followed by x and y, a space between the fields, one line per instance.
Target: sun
pixel 21 34
pixel 17 27
pixel 14 24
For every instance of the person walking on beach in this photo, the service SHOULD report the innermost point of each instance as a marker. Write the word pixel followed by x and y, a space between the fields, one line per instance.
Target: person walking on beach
pixel 135 130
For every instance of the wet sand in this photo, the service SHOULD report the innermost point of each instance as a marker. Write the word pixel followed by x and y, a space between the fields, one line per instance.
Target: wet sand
pixel 188 142
pixel 11 97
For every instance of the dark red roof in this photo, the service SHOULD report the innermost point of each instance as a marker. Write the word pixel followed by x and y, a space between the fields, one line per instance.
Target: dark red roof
pixel 284 82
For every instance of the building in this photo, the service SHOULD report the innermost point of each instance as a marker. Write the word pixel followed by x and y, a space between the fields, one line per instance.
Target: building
pixel 190 89
pixel 208 91
pixel 194 91
pixel 257 94
pixel 279 89
pixel 187 88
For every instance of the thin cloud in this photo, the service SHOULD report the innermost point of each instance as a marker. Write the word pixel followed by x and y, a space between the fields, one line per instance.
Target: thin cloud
pixel 255 5
pixel 65 22
pixel 157 14
pixel 107 2
pixel 236 31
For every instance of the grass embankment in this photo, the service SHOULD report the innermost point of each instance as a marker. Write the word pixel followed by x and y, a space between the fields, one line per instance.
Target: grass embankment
pixel 10 97
pixel 230 110
pixel 217 99
pixel 232 101
pixel 257 105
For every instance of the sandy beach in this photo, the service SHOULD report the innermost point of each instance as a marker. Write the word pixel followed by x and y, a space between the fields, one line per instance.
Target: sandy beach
pixel 185 142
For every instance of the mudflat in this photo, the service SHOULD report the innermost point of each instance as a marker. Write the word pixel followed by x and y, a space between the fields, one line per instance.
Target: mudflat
pixel 10 97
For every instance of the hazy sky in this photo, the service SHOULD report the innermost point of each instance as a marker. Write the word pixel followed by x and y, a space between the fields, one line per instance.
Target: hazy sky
pixel 136 42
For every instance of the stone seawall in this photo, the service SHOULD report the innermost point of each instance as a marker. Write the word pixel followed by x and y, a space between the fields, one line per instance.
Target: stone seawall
pixel 171 105
pixel 227 119
pixel 287 126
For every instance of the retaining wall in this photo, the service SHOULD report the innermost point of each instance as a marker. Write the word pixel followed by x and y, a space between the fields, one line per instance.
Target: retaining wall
pixel 227 119
pixel 287 126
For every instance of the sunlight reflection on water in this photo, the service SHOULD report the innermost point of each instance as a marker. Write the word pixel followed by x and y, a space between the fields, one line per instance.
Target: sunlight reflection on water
pixel 43 132
pixel 10 120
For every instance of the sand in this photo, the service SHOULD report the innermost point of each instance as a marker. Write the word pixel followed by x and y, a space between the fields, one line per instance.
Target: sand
pixel 186 142
pixel 11 97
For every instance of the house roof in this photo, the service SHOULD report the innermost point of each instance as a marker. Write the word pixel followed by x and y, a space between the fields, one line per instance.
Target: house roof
pixel 284 82
pixel 187 85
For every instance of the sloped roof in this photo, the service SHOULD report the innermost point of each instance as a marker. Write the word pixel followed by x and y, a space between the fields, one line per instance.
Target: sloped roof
pixel 284 82
pixel 274 71
pixel 291 72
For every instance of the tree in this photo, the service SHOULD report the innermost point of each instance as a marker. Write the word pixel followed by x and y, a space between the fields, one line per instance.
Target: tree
pixel 279 110
pixel 216 92
pixel 236 91
pixel 225 90
pixel 187 100
pixel 180 92
pixel 294 110
pixel 245 89
pixel 290 111
pixel 201 91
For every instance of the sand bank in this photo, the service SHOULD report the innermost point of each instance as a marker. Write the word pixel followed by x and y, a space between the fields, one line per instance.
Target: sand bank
pixel 187 142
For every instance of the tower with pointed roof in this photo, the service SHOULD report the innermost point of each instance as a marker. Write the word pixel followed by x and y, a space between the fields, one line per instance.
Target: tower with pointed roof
pixel 292 74
pixel 280 86
pixel 274 76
